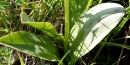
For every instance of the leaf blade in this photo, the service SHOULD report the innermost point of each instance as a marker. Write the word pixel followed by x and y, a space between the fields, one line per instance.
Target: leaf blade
pixel 93 27
pixel 32 44
pixel 45 27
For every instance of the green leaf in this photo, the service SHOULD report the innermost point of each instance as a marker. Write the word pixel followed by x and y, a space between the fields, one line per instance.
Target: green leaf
pixel 4 3
pixel 45 27
pixel 92 27
pixel 32 44
pixel 25 18
pixel 116 45
pixel 4 30
pixel 77 7
pixel 2 9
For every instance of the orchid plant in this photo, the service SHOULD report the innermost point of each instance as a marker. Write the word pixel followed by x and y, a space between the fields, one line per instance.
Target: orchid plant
pixel 84 28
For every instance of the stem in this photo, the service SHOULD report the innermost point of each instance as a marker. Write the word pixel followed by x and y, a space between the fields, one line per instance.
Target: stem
pixel 89 4
pixel 100 1
pixel 61 61
pixel 66 5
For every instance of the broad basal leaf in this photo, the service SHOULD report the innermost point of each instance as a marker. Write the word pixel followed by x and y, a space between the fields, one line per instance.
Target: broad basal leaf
pixel 32 44
pixel 45 27
pixel 93 26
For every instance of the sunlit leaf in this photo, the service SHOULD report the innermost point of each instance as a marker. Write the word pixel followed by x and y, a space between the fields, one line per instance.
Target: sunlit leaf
pixel 45 27
pixel 92 27
pixel 32 44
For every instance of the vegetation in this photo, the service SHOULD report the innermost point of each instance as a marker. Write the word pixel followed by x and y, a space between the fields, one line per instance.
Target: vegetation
pixel 63 32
